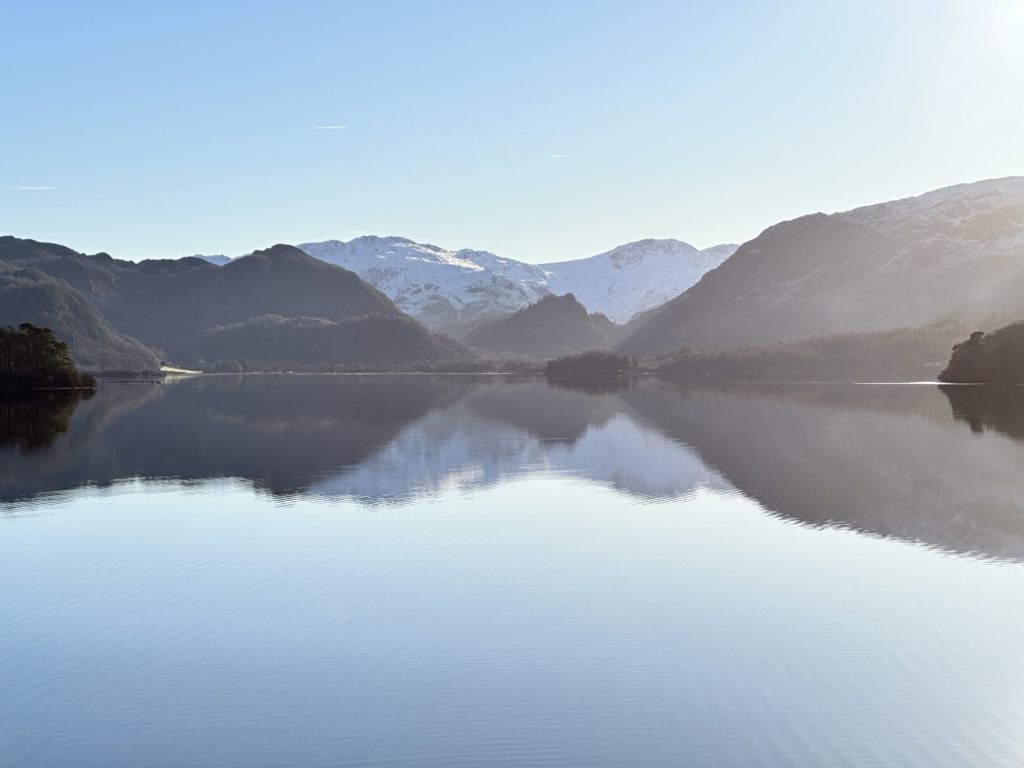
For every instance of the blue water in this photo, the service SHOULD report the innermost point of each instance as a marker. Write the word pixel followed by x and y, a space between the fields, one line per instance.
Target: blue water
pixel 413 571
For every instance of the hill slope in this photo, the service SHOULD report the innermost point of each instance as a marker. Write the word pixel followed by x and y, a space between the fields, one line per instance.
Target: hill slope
pixel 274 342
pixel 171 305
pixel 554 326
pixel 29 295
pixel 890 265
pixel 897 354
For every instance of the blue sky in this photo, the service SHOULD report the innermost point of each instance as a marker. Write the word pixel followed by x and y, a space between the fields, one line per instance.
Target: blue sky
pixel 541 131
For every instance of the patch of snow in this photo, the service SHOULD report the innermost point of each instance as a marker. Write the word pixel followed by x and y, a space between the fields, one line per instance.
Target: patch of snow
pixel 447 290
pixel 456 290
pixel 635 277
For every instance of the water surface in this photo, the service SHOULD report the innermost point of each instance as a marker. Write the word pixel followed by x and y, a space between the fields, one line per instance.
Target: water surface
pixel 406 571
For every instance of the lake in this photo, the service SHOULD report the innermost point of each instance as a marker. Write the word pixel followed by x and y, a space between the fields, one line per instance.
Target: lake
pixel 471 571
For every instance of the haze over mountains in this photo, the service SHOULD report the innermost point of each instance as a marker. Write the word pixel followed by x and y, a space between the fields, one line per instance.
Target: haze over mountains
pixel 914 270
pixel 900 263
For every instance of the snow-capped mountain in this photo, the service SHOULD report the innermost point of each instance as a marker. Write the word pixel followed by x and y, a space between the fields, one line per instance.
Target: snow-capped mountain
pixel 451 291
pixel 455 291
pixel 972 212
pixel 635 277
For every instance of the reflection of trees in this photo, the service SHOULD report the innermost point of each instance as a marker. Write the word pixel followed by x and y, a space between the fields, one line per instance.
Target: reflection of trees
pixel 281 432
pixel 595 385
pixel 32 420
pixel 998 407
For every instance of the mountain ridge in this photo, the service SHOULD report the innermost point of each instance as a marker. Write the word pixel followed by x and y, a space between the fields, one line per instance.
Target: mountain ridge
pixel 170 305
pixel 888 265
pixel 455 291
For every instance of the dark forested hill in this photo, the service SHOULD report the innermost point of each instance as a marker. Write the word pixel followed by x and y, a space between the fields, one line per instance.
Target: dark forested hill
pixel 188 309
pixel 170 304
pixel 28 295
pixel 554 326
pixel 274 342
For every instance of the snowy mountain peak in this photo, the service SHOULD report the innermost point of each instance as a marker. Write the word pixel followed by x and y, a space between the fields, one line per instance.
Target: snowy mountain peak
pixel 388 249
pixel 455 291
pixel 631 253
pixel 451 291
pixel 634 277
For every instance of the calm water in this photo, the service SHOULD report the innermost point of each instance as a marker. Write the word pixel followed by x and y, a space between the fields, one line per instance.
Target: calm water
pixel 416 571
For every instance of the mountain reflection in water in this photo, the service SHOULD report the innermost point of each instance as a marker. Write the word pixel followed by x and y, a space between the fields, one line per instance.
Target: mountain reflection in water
pixel 895 461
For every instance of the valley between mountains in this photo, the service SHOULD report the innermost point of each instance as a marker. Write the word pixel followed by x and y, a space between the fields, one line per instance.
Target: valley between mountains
pixel 880 292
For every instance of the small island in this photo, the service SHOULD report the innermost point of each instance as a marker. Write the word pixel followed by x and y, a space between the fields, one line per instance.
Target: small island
pixel 34 358
pixel 988 358
pixel 593 364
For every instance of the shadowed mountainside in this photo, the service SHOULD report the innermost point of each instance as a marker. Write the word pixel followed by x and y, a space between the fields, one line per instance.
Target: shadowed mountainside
pixel 28 295
pixel 170 305
pixel 554 326
pixel 274 342
pixel 897 264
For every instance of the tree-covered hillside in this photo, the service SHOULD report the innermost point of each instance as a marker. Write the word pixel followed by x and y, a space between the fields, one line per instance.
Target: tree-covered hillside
pixel 900 354
pixel 28 295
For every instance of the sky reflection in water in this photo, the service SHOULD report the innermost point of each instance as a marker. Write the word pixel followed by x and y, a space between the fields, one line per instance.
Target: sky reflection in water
pixel 455 571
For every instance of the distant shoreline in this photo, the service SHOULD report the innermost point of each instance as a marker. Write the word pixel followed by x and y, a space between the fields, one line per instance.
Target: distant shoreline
pixel 624 379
